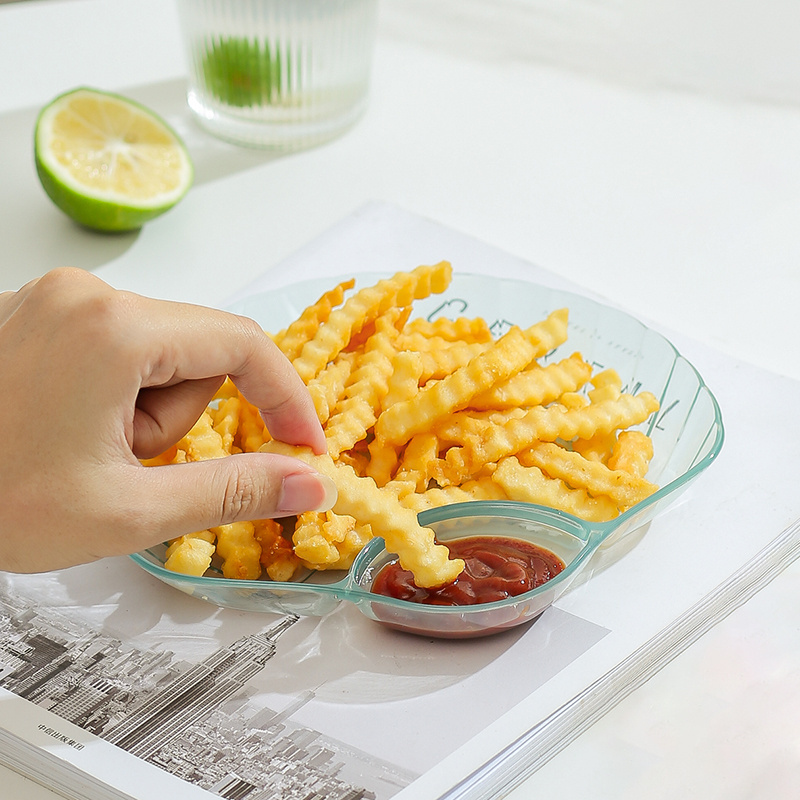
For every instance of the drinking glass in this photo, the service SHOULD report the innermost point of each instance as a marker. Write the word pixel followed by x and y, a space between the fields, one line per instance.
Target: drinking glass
pixel 282 74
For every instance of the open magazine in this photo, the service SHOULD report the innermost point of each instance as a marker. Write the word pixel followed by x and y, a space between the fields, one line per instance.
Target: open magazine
pixel 114 685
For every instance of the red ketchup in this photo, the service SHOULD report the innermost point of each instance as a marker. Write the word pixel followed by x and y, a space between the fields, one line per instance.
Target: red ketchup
pixel 495 568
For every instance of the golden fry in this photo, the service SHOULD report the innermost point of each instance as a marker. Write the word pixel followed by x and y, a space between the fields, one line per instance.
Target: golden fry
pixel 536 386
pixel 531 485
pixel 404 380
pixel 439 364
pixel 549 333
pixel 325 540
pixel 239 549
pixel 252 432
pixel 547 424
pixel 508 355
pixel 632 453
pixel 292 339
pixel 578 472
pixel 382 463
pixel 226 421
pixel 485 489
pixel 327 389
pixel 596 448
pixel 473 330
pixel 420 453
pixel 191 554
pixel 607 386
pixel 278 558
pixel 202 442
pixel 365 390
pixel 364 307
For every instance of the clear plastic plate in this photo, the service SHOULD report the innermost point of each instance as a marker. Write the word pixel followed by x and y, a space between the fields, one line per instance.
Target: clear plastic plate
pixel 687 434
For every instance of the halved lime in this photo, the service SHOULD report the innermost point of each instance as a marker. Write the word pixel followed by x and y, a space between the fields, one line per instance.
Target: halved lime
pixel 108 162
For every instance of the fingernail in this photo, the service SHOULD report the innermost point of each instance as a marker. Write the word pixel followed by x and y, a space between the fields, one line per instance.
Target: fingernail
pixel 307 491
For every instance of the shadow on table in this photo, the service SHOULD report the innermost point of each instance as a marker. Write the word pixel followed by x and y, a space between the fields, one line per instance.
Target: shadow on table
pixel 37 236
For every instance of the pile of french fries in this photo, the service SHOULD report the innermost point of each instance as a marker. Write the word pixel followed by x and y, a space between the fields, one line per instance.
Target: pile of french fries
pixel 419 413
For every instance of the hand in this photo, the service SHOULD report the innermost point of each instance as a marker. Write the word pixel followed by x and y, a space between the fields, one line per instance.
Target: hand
pixel 93 379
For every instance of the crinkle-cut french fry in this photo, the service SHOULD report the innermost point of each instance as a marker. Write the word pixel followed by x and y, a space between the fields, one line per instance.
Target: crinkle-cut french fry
pixel 327 388
pixel 461 426
pixel 416 547
pixel 191 554
pixel 228 389
pixel 449 472
pixel 356 459
pixel 366 388
pixel 252 432
pixel 427 280
pixel 403 384
pixel 444 475
pixel 226 421
pixel 421 343
pixel 484 489
pixel 365 306
pixel 548 424
pixel 607 386
pixel 359 340
pixel 312 548
pixel 404 380
pixel 596 448
pixel 607 377
pixel 505 357
pixel 239 550
pixel 291 340
pixel 579 473
pixel 537 385
pixel 399 487
pixel 277 558
pixel 531 485
pixel 439 473
pixel 632 453
pixel 570 401
pixel 438 364
pixel 354 542
pixel 440 360
pixel 383 461
pixel 202 442
pixel 169 456
pixel 549 333
pixel 420 452
pixel 461 329
pixel 324 540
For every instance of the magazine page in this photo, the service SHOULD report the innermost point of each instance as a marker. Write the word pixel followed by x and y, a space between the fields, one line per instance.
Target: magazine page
pixel 200 691
pixel 261 706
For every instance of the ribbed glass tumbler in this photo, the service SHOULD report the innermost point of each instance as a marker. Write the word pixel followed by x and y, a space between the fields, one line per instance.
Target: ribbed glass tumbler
pixel 282 74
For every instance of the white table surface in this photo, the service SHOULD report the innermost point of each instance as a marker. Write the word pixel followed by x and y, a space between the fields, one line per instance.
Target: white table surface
pixel 682 204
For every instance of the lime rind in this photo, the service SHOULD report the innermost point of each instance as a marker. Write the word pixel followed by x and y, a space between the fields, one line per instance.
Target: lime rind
pixel 94 208
pixel 97 214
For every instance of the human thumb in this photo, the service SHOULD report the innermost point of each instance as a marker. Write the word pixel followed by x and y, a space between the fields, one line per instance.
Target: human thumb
pixel 246 486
